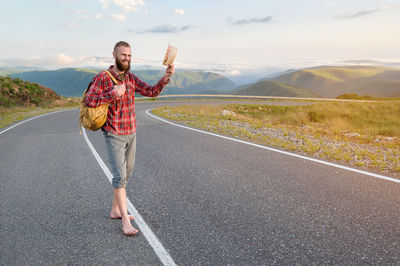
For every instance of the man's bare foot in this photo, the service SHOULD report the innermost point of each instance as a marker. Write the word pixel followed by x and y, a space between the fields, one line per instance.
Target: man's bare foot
pixel 128 229
pixel 131 217
pixel 117 215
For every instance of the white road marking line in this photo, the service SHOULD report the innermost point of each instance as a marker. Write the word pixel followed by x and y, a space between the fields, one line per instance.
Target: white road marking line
pixel 161 252
pixel 1 132
pixel 279 151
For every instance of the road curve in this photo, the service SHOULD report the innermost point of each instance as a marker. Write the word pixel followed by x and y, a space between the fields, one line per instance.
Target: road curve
pixel 208 200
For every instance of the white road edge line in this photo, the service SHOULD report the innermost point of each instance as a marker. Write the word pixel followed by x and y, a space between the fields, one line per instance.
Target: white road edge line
pixel 279 151
pixel 149 235
pixel 161 252
pixel 29 119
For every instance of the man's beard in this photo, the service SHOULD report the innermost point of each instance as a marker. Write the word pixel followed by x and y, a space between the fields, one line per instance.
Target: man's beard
pixel 121 67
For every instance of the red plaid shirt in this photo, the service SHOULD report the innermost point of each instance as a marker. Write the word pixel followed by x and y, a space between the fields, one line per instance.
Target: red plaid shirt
pixel 121 117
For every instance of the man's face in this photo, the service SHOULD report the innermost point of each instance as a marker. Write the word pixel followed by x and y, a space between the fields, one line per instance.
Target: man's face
pixel 122 57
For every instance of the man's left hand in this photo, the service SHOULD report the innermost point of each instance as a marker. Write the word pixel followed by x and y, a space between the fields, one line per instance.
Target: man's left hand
pixel 170 71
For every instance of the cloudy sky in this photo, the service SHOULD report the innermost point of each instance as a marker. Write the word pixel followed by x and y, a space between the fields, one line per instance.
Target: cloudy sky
pixel 206 32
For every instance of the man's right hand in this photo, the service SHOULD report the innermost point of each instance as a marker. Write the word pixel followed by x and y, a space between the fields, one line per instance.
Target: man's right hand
pixel 120 89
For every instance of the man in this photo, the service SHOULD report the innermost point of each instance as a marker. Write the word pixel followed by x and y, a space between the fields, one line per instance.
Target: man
pixel 120 127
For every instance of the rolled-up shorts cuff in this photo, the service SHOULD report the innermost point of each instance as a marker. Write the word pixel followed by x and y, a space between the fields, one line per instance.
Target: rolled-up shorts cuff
pixel 116 183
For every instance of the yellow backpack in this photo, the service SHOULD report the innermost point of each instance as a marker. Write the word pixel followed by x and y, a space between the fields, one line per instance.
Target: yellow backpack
pixel 93 118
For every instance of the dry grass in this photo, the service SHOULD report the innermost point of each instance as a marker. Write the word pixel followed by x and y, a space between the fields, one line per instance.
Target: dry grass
pixel 374 126
pixel 369 119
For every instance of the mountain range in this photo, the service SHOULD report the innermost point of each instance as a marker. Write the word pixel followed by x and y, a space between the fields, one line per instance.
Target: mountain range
pixel 322 81
pixel 332 81
pixel 274 88
pixel 73 81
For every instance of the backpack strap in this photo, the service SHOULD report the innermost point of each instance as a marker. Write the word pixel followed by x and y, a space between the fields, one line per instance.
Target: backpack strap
pixel 111 76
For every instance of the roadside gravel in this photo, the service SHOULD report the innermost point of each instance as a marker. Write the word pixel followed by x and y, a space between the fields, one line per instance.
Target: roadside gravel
pixel 368 156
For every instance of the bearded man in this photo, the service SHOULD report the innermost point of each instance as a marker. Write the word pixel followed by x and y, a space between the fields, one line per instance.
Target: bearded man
pixel 120 127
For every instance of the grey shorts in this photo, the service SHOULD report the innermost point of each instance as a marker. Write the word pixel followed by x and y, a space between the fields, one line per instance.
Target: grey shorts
pixel 121 151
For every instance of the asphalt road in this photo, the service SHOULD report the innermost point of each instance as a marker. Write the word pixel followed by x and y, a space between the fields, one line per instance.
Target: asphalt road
pixel 210 201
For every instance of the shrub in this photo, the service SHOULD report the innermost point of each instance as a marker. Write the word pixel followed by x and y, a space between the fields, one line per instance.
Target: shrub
pixel 354 97
pixel 17 81
pixel 7 102
pixel 314 116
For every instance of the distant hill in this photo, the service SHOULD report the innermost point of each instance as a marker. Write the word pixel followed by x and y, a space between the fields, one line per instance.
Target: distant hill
pixel 381 88
pixel 66 82
pixel 277 74
pixel 73 81
pixel 335 81
pixel 189 82
pixel 16 92
pixel 6 71
pixel 274 88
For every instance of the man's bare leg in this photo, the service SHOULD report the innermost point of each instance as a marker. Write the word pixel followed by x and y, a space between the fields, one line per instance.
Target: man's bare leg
pixel 120 198
pixel 115 213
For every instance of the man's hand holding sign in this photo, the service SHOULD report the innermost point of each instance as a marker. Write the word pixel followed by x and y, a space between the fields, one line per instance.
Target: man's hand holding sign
pixel 169 60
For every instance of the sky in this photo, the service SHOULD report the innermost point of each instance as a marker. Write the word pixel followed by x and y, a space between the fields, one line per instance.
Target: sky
pixel 218 34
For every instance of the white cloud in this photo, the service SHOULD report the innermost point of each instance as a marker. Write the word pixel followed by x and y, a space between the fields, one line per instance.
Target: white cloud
pixel 117 17
pixel 179 12
pixel 59 61
pixel 113 16
pixel 126 5
pixel 103 62
pixel 63 59
pixel 234 72
pixel 104 3
pixel 80 11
